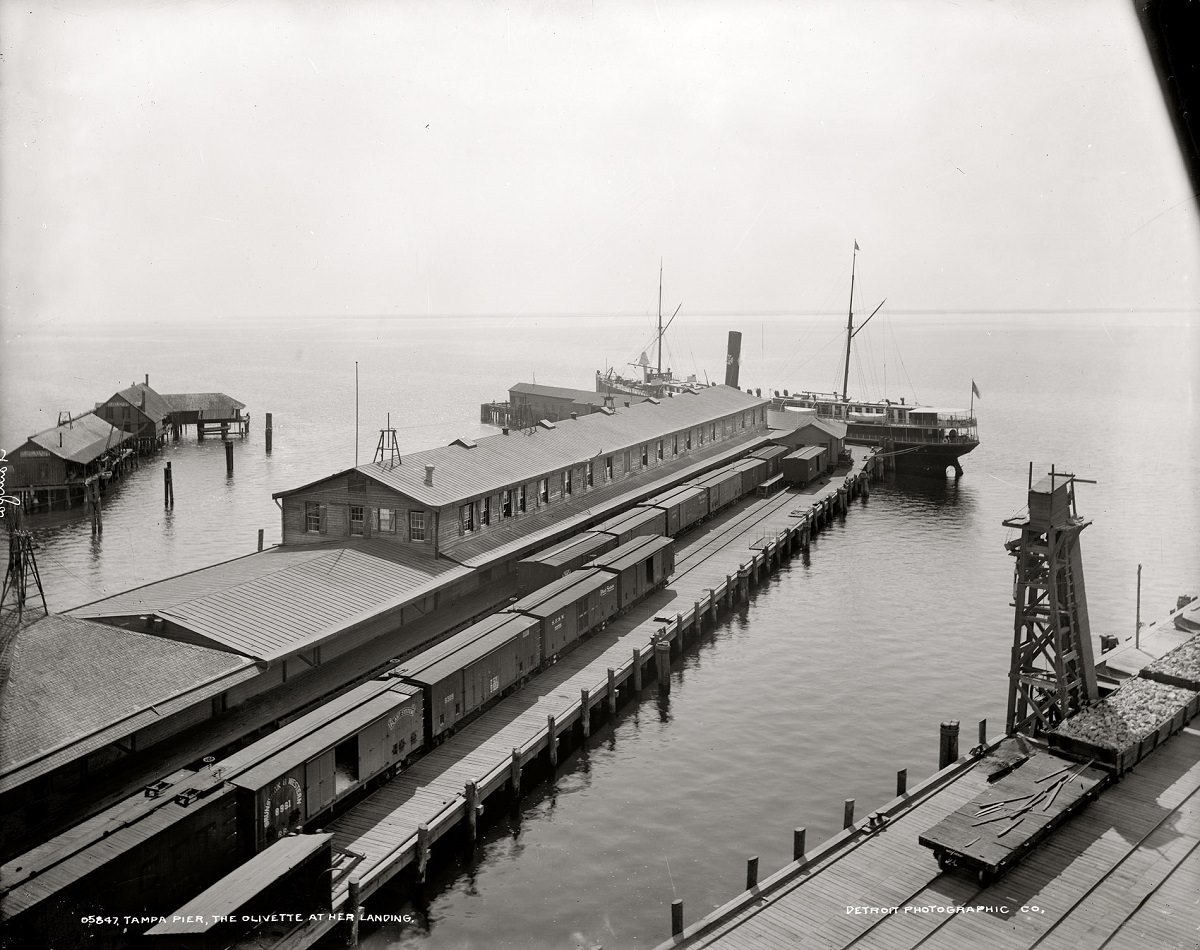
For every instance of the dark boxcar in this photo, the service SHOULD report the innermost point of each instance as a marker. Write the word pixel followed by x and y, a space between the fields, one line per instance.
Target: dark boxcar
pixel 640 566
pixel 572 611
pixel 803 465
pixel 773 456
pixel 685 506
pixel 724 487
pixel 549 565
pixel 270 804
pixel 754 473
pixel 634 523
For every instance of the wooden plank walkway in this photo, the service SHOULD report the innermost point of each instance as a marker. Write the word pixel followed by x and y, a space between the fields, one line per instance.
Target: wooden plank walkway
pixel 1123 873
pixel 715 568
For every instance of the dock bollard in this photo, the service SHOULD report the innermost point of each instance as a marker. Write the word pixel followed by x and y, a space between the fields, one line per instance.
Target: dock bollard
pixel 798 843
pixel 948 751
pixel 848 813
pixel 353 903
pixel 676 917
pixel 752 873
pixel 662 665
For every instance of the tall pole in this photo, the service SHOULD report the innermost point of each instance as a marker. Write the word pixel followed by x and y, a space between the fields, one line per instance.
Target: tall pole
pixel 660 268
pixel 356 413
pixel 849 323
pixel 1137 633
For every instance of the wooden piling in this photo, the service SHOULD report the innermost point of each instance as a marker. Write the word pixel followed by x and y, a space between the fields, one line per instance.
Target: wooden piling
pixel 676 917
pixel 637 670
pixel 798 843
pixel 552 740
pixel 585 715
pixel 268 433
pixel 983 732
pixel 848 813
pixel 612 690
pixel 423 840
pixel 662 665
pixel 228 458
pixel 472 796
pixel 901 782
pixel 260 539
pixel 168 488
pixel 697 617
pixel 948 750
pixel 353 904
pixel 514 773
pixel 752 873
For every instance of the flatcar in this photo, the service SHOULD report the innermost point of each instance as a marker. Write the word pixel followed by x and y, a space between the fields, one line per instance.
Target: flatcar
pixel 640 567
pixel 456 684
pixel 685 506
pixel 634 523
pixel 540 569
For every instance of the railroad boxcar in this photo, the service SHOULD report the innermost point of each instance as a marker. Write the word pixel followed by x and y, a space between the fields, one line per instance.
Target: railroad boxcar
pixel 633 524
pixel 571 611
pixel 540 569
pixel 724 487
pixel 458 683
pixel 685 506
pixel 298 783
pixel 754 473
pixel 640 567
pixel 803 465
pixel 773 456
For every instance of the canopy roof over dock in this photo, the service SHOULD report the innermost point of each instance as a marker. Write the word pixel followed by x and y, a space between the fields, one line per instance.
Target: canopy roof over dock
pixel 213 407
pixel 74 686
pixel 83 439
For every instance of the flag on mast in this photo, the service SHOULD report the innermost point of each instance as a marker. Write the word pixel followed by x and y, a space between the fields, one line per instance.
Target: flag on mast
pixel 975 390
pixel 856 245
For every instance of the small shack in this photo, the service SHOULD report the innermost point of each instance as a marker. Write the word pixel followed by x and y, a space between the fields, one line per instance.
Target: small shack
pixel 805 464
pixel 52 468
pixel 140 411
pixel 827 432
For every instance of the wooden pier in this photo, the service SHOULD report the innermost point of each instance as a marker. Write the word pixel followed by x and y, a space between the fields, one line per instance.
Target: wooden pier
pixel 716 569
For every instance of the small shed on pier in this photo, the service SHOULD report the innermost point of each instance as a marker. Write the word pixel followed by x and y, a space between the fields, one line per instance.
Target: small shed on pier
pixel 52 466
pixel 138 410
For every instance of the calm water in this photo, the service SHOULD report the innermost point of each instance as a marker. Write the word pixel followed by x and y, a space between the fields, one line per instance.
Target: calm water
pixel 834 677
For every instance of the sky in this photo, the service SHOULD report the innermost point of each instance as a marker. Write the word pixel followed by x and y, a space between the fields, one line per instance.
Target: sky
pixel 186 161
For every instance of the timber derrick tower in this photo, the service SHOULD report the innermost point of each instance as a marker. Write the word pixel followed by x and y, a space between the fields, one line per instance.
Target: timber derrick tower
pixel 1052 674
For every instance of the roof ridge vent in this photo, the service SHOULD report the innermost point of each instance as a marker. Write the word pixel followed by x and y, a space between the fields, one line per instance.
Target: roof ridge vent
pixel 465 443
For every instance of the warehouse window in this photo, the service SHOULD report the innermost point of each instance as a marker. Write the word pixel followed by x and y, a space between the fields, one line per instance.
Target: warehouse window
pixel 590 475
pixel 506 503
pixel 357 520
pixel 608 468
pixel 312 517
pixel 416 526
pixel 675 444
pixel 688 446
pixel 485 511
pixel 544 491
pixel 645 456
pixel 385 520
pixel 521 498
pixel 714 432
pixel 628 466
pixel 659 451
pixel 566 482
pixel 466 518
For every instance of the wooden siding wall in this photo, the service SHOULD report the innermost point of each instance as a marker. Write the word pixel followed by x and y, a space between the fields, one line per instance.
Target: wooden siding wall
pixel 337 496
pixel 44 468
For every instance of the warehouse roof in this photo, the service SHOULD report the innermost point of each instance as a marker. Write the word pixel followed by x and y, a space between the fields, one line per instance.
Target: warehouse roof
pixel 284 600
pixel 798 421
pixel 585 396
pixel 83 439
pixel 156 407
pixel 211 405
pixel 497 461
pixel 74 686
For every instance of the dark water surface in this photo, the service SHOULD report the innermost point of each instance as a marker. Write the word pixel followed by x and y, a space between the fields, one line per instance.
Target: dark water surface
pixel 835 676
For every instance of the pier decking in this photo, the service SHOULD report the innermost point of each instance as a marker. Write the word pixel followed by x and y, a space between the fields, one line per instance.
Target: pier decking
pixel 397 825
pixel 1123 873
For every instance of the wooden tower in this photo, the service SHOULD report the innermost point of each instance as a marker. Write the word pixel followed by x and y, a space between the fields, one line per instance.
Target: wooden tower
pixel 387 450
pixel 1052 674
pixel 22 567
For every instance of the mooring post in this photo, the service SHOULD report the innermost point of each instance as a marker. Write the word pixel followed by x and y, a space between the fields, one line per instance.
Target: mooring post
pixel 637 670
pixel 260 539
pixel 948 751
pixel 472 796
pixel 422 851
pixel 585 715
pixel 168 488
pixel 752 873
pixel 514 773
pixel 729 592
pixel 901 782
pixel 612 690
pixel 228 457
pixel 712 605
pixel 798 844
pixel 662 665
pixel 268 432
pixel 551 740
pixel 676 917
pixel 697 617
pixel 848 813
pixel 983 732
pixel 353 902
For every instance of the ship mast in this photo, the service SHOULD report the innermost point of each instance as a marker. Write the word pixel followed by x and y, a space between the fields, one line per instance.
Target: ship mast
pixel 660 272
pixel 849 324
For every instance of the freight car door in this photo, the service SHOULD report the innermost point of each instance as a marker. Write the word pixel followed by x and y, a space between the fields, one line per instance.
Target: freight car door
pixel 319 775
pixel 375 747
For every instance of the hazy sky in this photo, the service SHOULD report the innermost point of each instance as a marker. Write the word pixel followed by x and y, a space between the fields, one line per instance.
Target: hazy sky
pixel 171 161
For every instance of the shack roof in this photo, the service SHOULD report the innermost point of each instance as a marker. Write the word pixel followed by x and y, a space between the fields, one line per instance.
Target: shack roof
pixel 808 452
pixel 770 452
pixel 211 405
pixel 84 439
pixel 524 455
pixel 74 686
pixel 586 397
pixel 223 900
pixel 156 407
pixel 829 426
pixel 278 602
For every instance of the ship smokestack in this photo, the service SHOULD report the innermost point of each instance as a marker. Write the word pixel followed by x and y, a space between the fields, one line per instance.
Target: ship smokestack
pixel 733 358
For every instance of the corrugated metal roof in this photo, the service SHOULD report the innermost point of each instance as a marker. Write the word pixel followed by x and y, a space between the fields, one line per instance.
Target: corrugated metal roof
pixel 452 644
pixel 770 452
pixel 234 891
pixel 808 452
pixel 629 520
pixel 586 396
pixel 72 681
pixel 632 551
pixel 579 546
pixel 470 652
pixel 525 455
pixel 212 405
pixel 84 439
pixel 284 600
pixel 831 426
pixel 587 582
pixel 156 407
